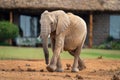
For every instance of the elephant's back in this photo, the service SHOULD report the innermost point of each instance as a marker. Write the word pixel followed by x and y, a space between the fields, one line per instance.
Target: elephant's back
pixel 75 34
pixel 77 22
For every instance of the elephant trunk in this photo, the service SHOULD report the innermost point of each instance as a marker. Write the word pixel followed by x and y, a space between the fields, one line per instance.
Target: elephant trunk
pixel 44 35
pixel 45 49
pixel 45 31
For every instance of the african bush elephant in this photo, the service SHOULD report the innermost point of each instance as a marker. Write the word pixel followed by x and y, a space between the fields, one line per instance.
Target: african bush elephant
pixel 67 32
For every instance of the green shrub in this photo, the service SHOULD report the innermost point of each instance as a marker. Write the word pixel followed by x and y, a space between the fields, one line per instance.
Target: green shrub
pixel 4 44
pixel 110 45
pixel 102 46
pixel 115 44
pixel 8 31
pixel 110 38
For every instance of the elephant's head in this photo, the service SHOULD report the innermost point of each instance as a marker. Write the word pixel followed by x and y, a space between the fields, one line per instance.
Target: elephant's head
pixel 56 21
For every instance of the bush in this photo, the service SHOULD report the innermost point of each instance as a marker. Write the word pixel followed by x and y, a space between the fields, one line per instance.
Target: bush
pixel 8 31
pixel 110 38
pixel 115 44
pixel 4 44
pixel 110 45
pixel 102 46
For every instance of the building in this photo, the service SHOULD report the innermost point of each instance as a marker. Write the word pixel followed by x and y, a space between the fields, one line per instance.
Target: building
pixel 102 16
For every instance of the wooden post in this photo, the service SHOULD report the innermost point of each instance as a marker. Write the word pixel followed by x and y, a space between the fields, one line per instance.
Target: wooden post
pixel 91 30
pixel 11 20
pixel 11 16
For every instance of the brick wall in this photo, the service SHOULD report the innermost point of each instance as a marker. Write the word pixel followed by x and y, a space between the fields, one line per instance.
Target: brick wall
pixel 100 28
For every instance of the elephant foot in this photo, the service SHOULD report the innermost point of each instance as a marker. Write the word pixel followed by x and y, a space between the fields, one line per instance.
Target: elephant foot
pixel 59 70
pixel 51 68
pixel 82 67
pixel 75 70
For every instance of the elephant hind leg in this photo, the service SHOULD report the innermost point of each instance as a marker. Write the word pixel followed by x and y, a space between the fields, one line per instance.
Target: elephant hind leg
pixel 75 63
pixel 81 64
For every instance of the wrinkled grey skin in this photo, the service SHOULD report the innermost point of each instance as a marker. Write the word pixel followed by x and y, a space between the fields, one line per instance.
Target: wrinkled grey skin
pixel 67 32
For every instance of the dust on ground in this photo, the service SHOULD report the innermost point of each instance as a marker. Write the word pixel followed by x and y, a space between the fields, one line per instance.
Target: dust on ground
pixel 96 69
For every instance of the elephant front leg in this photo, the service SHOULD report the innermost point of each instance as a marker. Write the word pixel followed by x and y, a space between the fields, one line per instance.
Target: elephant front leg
pixel 55 61
pixel 53 64
pixel 59 65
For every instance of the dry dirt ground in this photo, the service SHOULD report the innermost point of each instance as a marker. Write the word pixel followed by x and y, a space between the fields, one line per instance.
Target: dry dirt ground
pixel 97 69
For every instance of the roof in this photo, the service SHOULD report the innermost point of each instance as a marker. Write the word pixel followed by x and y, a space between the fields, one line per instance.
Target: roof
pixel 84 5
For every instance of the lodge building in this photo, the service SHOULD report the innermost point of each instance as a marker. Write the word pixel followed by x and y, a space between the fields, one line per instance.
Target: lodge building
pixel 102 17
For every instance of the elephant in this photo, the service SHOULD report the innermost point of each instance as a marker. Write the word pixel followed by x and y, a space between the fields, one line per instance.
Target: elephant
pixel 67 33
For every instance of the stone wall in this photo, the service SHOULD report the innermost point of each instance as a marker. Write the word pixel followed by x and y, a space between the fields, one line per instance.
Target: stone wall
pixel 100 28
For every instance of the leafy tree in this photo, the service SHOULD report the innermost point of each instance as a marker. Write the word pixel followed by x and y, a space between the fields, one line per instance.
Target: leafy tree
pixel 8 30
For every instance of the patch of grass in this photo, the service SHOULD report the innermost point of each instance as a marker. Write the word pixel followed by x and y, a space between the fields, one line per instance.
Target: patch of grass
pixel 20 53
pixel 94 53
pixel 37 53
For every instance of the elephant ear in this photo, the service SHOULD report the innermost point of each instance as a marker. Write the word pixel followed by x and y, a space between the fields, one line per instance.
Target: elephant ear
pixel 63 22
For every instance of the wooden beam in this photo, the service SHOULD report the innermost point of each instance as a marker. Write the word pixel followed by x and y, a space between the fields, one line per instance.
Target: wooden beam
pixel 11 20
pixel 91 30
pixel 11 16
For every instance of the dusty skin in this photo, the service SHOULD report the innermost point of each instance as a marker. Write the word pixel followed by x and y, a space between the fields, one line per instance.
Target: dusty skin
pixel 97 69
